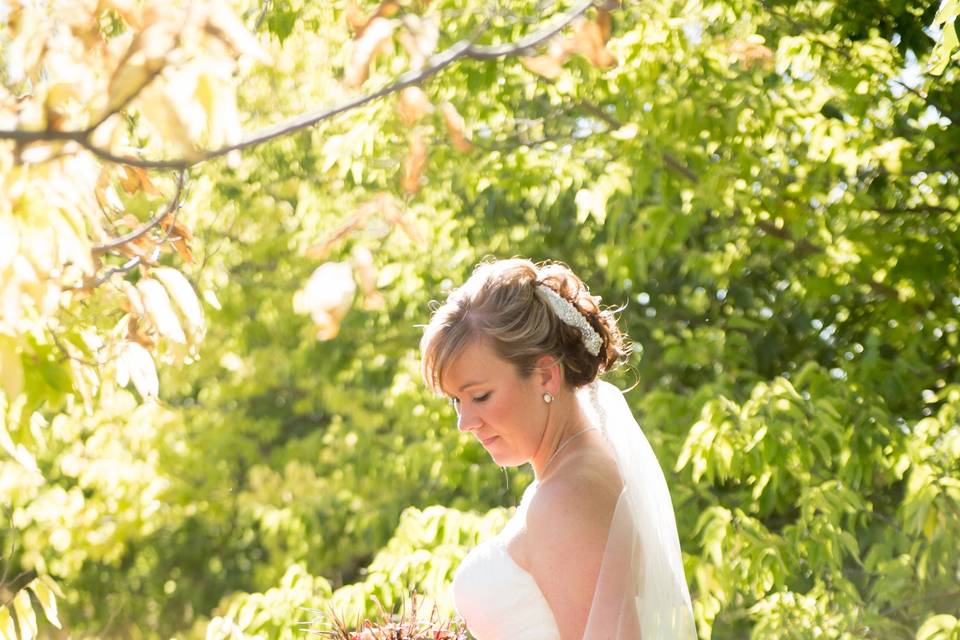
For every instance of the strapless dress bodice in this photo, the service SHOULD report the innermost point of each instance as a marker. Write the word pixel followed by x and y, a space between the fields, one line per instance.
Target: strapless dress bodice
pixel 496 597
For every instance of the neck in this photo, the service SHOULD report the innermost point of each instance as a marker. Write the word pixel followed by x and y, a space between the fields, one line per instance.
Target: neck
pixel 565 419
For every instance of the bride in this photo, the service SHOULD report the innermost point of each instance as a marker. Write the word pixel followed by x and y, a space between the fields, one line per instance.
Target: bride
pixel 592 550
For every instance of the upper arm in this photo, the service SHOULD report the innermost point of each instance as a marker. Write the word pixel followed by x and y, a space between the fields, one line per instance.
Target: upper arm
pixel 567 528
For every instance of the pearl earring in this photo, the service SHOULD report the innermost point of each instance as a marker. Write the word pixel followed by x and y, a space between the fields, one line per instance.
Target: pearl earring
pixel 547 397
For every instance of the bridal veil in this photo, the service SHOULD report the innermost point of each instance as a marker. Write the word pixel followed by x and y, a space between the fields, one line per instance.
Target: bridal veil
pixel 641 590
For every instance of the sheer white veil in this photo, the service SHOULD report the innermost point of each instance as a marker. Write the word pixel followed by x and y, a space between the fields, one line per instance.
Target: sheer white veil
pixel 641 590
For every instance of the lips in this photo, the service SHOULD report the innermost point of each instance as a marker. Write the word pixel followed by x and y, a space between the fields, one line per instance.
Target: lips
pixel 487 441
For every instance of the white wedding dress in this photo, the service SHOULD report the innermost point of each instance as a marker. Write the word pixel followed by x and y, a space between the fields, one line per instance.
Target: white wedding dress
pixel 496 597
pixel 641 590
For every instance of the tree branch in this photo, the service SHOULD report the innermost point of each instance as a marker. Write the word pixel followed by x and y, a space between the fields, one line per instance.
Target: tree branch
pixel 437 63
pixel 126 267
pixel 595 110
pixel 115 243
pixel 676 166
pixel 803 247
pixel 925 208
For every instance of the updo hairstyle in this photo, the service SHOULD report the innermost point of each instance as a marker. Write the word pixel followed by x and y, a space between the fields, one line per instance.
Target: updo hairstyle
pixel 501 305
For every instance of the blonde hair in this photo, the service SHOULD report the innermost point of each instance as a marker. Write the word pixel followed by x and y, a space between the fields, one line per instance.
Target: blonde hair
pixel 500 305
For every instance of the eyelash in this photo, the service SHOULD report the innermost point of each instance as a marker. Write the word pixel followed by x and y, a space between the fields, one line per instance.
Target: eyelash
pixel 480 398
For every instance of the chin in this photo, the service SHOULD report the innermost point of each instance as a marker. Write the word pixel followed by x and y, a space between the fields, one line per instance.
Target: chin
pixel 507 460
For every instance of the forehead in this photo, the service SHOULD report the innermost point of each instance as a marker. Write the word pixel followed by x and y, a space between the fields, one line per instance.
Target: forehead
pixel 476 362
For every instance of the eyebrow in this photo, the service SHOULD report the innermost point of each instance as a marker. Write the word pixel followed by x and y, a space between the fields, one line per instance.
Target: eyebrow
pixel 471 384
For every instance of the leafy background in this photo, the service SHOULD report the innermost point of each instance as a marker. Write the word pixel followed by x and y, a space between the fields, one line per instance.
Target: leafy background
pixel 212 419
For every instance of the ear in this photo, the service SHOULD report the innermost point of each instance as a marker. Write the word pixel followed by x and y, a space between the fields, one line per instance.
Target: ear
pixel 549 373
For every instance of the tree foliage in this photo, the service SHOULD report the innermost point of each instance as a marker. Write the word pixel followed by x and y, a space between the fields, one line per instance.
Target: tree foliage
pixel 264 198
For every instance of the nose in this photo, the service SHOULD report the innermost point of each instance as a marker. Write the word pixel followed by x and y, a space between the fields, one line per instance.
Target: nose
pixel 466 420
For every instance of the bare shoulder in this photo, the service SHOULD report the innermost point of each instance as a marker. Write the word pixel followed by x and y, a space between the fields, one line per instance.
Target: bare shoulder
pixel 582 494
pixel 567 525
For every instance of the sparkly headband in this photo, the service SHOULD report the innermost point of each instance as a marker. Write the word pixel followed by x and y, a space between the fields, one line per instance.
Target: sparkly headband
pixel 570 315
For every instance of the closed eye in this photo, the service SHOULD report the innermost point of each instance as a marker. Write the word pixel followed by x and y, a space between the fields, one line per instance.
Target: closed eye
pixel 455 402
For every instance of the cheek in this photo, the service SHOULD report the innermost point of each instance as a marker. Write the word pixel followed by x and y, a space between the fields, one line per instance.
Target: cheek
pixel 516 417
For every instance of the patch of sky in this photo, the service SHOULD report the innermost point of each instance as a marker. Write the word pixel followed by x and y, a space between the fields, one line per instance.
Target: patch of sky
pixel 827 334
pixel 910 76
pixel 693 31
pixel 836 193
pixel 584 127
pixel 932 116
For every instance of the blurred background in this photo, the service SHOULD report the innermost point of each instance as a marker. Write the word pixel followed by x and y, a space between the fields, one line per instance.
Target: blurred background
pixel 211 417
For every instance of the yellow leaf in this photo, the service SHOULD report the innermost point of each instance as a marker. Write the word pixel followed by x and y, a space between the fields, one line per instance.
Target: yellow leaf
pixel 327 297
pixel 178 118
pixel 17 451
pixel 419 38
pixel 160 310
pixel 134 179
pixel 546 66
pixel 142 62
pixel 224 24
pixel 85 383
pixel 26 616
pixel 943 51
pixel 183 294
pixel 366 271
pixel 73 245
pixel 589 41
pixel 219 103
pixel 7 629
pixel 751 52
pixel 47 598
pixel 365 48
pixel 132 301
pixel 11 367
pixel 135 364
pixel 456 128
pixel 180 236
pixel 356 19
pixel 412 104
pixel 413 163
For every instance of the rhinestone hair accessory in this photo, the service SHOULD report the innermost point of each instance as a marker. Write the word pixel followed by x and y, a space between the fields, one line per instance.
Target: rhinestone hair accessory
pixel 570 315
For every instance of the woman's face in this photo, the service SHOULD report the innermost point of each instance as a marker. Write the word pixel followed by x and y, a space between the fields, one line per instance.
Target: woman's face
pixel 502 410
